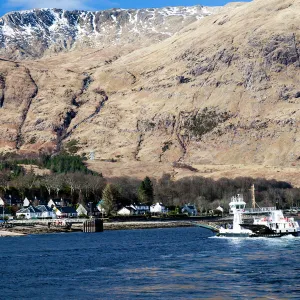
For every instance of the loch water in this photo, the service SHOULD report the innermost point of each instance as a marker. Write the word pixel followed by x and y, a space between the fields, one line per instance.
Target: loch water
pixel 177 263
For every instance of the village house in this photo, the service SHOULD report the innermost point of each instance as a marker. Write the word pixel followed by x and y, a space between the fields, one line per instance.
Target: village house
pixel 65 212
pixel 219 211
pixel 140 209
pixel 189 209
pixel 82 210
pixel 126 211
pixel 158 208
pixel 46 212
pixel 58 203
pixel 30 212
pixel 26 203
pixel 88 210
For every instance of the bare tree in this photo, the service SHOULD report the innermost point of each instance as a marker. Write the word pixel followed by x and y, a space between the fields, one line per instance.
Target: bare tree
pixel 46 182
pixel 57 183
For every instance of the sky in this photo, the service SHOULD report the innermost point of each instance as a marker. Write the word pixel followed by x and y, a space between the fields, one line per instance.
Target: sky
pixel 10 5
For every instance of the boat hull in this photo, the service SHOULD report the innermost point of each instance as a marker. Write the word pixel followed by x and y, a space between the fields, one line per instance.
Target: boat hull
pixel 276 235
pixel 264 231
pixel 254 235
pixel 229 234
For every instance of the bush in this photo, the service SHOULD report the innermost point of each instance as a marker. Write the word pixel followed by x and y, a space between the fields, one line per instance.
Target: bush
pixel 206 121
pixel 72 146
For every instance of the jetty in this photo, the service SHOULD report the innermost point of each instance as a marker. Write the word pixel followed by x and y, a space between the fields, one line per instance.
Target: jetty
pixel 53 225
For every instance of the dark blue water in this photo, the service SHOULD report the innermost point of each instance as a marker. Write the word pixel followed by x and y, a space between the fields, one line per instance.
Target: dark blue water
pixel 181 263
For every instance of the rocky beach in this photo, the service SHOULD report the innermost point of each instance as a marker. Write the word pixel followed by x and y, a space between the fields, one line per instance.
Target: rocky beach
pixel 6 233
pixel 40 229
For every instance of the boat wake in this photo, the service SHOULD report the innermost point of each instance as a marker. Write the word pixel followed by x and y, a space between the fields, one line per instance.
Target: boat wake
pixel 290 237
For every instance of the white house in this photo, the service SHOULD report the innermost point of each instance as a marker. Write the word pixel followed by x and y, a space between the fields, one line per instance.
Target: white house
pixel 126 211
pixel 30 212
pixel 55 203
pixel 140 209
pixel 26 202
pixel 82 210
pixel 221 209
pixel 46 212
pixel 189 209
pixel 158 208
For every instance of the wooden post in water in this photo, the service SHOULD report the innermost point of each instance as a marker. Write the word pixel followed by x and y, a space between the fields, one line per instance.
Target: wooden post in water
pixel 95 225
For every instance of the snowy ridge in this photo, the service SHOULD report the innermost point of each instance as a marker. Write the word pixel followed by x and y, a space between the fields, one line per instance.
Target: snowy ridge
pixel 30 33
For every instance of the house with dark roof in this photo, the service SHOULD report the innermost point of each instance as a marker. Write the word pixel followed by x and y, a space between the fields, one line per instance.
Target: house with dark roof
pixel 29 212
pixel 141 209
pixel 189 209
pixel 46 212
pixel 58 202
pixel 66 212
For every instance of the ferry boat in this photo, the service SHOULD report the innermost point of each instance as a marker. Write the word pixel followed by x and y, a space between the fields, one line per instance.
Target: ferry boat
pixel 274 225
pixel 271 224
pixel 237 207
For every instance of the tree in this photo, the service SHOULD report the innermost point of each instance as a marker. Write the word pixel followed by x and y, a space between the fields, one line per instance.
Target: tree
pixel 4 181
pixel 53 182
pixel 110 197
pixel 46 182
pixel 95 186
pixel 57 183
pixel 145 191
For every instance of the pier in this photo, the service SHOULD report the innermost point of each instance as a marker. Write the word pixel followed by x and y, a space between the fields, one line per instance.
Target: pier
pixel 87 225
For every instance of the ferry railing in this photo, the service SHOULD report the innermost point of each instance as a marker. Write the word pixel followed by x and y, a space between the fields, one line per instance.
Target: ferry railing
pixel 259 210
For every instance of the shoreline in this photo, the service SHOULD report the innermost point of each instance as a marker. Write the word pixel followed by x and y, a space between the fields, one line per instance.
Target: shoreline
pixel 5 233
pixel 107 226
pixel 146 225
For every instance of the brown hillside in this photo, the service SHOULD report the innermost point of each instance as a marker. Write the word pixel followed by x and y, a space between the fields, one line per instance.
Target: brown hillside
pixel 222 91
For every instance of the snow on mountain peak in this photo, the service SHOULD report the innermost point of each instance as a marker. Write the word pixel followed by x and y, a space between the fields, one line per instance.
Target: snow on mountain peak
pixel 30 33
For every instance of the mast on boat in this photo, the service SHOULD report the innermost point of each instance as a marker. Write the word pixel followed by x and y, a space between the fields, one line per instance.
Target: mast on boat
pixel 253 196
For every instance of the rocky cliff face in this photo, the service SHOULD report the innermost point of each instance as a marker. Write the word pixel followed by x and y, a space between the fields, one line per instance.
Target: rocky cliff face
pixel 31 34
pixel 222 91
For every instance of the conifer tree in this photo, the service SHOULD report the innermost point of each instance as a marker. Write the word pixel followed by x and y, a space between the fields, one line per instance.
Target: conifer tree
pixel 110 197
pixel 145 191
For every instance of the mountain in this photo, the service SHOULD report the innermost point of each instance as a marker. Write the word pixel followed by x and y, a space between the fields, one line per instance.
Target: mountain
pixel 219 98
pixel 31 34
